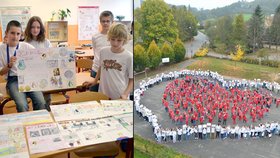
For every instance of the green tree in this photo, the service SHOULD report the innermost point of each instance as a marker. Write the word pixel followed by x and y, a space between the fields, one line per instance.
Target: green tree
pixel 239 30
pixel 167 52
pixel 275 27
pixel 224 31
pixel 186 22
pixel 179 50
pixel 140 58
pixel 256 30
pixel 157 22
pixel 154 55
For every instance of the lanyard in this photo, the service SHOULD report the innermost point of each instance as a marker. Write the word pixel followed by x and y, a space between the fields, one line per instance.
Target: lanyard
pixel 8 54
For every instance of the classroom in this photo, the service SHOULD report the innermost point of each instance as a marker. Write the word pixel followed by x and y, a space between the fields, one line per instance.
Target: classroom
pixel 59 96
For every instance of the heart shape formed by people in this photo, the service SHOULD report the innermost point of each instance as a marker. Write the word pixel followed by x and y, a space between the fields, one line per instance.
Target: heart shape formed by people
pixel 197 99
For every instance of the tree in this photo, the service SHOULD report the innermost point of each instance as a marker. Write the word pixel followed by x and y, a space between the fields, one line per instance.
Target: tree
pixel 186 22
pixel 140 58
pixel 275 27
pixel 256 30
pixel 136 33
pixel 224 31
pixel 154 55
pixel 167 52
pixel 157 22
pixel 238 55
pixel 179 50
pixel 239 30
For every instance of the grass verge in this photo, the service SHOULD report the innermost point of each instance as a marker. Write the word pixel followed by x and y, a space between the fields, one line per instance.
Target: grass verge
pixel 236 69
pixel 144 148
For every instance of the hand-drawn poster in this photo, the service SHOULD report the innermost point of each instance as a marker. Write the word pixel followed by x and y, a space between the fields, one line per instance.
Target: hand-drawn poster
pixel 116 107
pixel 92 131
pixel 75 111
pixel 26 118
pixel 88 20
pixel 126 120
pixel 21 14
pixel 45 69
pixel 12 142
pixel 44 137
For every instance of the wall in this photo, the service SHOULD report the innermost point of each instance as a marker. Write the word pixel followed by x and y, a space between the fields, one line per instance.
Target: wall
pixel 44 9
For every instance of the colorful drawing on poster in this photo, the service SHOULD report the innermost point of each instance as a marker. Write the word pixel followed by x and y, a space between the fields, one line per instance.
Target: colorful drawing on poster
pixel 116 107
pixel 49 67
pixel 44 138
pixel 31 117
pixel 126 120
pixel 12 142
pixel 76 111
pixel 92 131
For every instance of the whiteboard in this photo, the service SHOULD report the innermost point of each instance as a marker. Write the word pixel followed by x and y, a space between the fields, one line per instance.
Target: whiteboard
pixel 21 14
pixel 88 20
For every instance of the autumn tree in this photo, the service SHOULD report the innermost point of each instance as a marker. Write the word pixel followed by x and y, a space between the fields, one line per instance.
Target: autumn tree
pixel 154 55
pixel 140 58
pixel 179 50
pixel 238 54
pixel 167 52
pixel 157 22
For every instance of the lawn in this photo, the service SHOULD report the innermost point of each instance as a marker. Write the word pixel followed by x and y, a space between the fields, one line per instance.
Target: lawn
pixel 236 69
pixel 144 148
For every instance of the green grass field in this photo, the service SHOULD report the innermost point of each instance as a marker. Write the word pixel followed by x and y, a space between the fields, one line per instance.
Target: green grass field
pixel 144 148
pixel 236 69
pixel 247 17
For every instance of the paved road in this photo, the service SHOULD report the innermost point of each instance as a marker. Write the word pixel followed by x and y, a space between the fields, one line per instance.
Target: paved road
pixel 252 148
pixel 195 44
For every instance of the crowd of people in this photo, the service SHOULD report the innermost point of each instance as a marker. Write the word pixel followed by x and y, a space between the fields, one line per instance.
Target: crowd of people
pixel 201 103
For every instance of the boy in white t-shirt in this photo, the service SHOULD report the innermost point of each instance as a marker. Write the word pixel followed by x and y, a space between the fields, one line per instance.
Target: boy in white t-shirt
pixel 116 66
pixel 99 41
pixel 8 68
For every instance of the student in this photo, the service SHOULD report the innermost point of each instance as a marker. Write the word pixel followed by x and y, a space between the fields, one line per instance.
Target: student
pixel 99 41
pixel 116 66
pixel 8 68
pixel 35 35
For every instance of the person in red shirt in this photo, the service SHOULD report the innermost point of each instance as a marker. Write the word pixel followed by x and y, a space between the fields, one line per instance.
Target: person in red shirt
pixel 225 116
pixel 201 119
pixel 220 117
pixel 245 118
pixel 187 119
pixel 234 118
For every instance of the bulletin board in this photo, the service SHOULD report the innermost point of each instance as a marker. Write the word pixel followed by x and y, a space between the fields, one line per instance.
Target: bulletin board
pixel 21 14
pixel 88 20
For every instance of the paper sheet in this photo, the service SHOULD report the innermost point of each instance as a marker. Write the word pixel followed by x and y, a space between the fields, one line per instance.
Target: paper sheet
pixel 12 142
pixel 76 111
pixel 54 69
pixel 26 118
pixel 44 137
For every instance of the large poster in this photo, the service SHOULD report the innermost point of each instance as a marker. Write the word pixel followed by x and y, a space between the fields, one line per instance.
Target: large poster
pixel 88 20
pixel 45 69
pixel 21 14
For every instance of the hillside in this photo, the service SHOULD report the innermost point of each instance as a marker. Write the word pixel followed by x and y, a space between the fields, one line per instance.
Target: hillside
pixel 268 7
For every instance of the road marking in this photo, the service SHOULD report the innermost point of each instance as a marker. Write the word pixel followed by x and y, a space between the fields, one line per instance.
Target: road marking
pixel 260 155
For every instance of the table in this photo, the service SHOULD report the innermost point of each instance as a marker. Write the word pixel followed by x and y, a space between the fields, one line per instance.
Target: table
pixel 86 54
pixel 80 79
pixel 66 150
